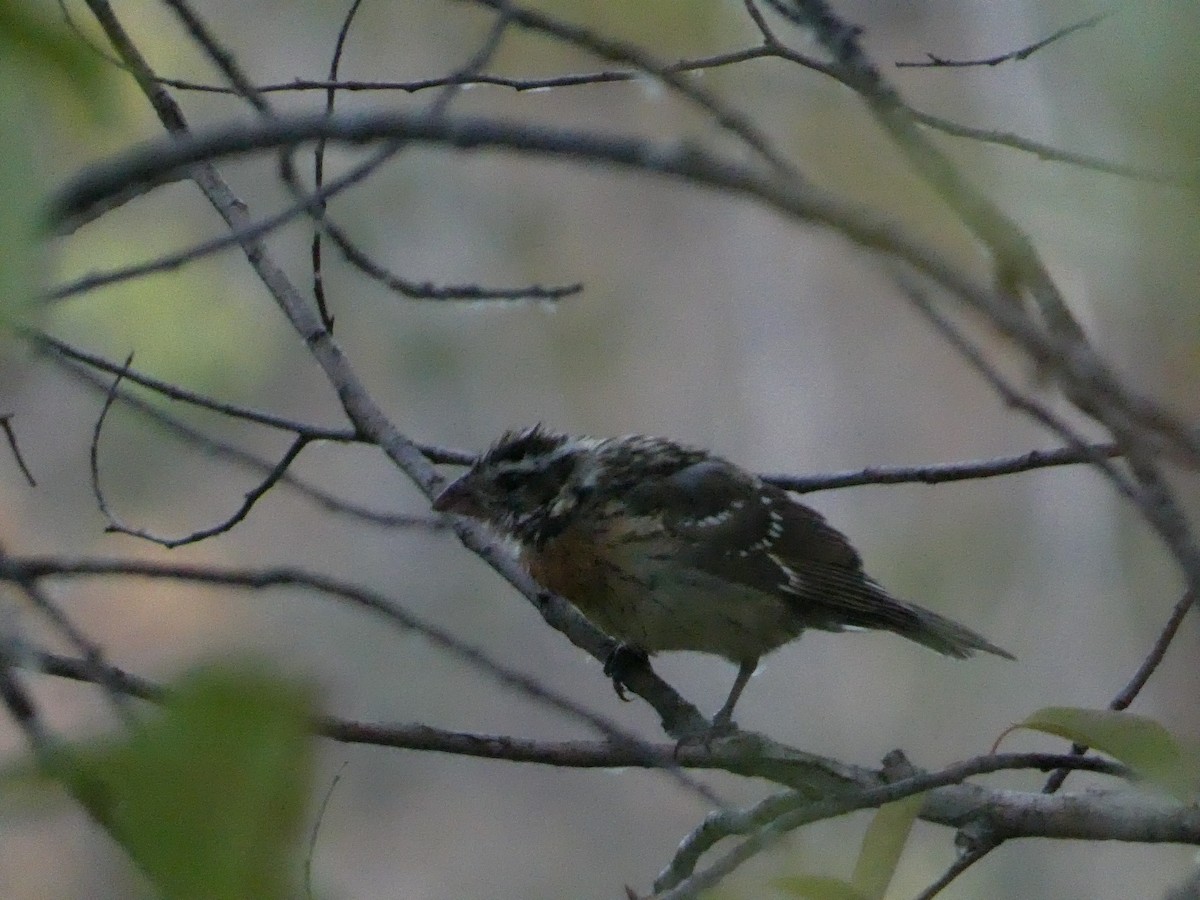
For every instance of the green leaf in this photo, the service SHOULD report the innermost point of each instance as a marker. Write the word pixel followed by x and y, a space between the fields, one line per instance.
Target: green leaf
pixel 21 260
pixel 208 796
pixel 39 58
pixel 1141 743
pixel 882 845
pixel 48 45
pixel 816 887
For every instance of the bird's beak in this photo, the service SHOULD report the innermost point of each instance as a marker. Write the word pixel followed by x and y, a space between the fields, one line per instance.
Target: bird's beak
pixel 456 498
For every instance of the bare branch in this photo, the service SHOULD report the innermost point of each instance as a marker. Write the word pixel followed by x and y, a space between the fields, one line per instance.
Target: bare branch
pixel 1012 55
pixel 251 497
pixel 974 356
pixel 1079 369
pixel 11 437
pixel 73 669
pixel 612 76
pixel 1030 461
pixel 229 67
pixel 1118 815
pixel 520 85
pixel 250 232
pixel 721 754
pixel 175 392
pixel 956 868
pixel 361 260
pixel 678 716
pixel 1053 154
pixel 728 118
pixel 54 346
pixel 93 663
pixel 28 570
pixel 225 450
pixel 318 280
pixel 1018 266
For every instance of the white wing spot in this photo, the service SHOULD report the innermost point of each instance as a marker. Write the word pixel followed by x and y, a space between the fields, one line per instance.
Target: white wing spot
pixel 793 580
pixel 775 530
pixel 714 519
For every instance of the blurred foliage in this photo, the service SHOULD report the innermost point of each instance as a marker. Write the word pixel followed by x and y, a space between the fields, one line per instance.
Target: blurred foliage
pixel 1151 72
pixel 188 326
pixel 49 51
pixel 1128 92
pixel 207 794
pixel 882 845
pixel 1143 744
pixel 816 887
pixel 51 67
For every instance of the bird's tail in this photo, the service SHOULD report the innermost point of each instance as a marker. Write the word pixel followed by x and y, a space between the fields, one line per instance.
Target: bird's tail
pixel 939 633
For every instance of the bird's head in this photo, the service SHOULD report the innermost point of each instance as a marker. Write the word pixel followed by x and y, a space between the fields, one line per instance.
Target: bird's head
pixel 520 484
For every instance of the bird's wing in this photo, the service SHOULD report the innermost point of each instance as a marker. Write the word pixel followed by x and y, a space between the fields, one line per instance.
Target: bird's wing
pixel 728 523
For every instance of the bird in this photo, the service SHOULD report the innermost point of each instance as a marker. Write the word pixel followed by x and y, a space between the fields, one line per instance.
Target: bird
pixel 665 547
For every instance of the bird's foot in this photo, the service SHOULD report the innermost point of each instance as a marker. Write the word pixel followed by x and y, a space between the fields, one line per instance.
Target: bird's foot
pixel 720 727
pixel 621 662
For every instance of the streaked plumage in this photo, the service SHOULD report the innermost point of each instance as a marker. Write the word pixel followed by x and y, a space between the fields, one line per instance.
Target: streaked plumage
pixel 667 547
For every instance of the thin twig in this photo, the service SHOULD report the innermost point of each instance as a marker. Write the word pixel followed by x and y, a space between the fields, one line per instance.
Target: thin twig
pixel 1048 153
pixel 252 497
pixel 127 683
pixel 1031 460
pixel 577 754
pixel 318 281
pixel 10 435
pixel 224 450
pixel 53 345
pixel 175 392
pixel 370 420
pixel 362 261
pixel 33 569
pixel 93 661
pixel 316 828
pixel 1012 55
pixel 623 76
pixel 94 450
pixel 1079 370
pixel 775 817
pixel 603 47
pixel 520 85
pixel 955 869
pixel 250 232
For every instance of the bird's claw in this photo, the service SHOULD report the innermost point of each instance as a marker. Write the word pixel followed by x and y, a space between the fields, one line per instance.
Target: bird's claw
pixel 621 661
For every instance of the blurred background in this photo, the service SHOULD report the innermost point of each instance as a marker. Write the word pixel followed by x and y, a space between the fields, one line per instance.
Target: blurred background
pixel 703 318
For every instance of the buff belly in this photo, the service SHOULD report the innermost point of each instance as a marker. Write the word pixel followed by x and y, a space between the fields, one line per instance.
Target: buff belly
pixel 645 600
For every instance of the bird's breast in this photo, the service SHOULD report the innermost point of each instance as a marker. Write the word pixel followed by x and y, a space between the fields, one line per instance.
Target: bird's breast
pixel 571 564
pixel 631 583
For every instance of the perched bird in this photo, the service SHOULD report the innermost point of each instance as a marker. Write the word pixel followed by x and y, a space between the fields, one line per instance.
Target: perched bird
pixel 668 547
